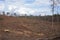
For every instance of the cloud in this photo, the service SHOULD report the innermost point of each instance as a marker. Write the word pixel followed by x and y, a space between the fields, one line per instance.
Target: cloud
pixel 24 10
pixel 41 2
pixel 28 1
pixel 1 6
pixel 11 7
pixel 42 11
pixel 28 6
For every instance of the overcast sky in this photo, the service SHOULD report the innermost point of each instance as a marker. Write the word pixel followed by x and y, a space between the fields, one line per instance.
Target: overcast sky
pixel 34 7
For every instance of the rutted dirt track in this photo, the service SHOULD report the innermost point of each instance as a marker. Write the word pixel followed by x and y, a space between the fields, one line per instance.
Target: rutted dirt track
pixel 15 28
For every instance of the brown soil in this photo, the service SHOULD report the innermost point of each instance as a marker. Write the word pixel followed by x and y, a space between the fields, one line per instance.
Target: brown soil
pixel 22 28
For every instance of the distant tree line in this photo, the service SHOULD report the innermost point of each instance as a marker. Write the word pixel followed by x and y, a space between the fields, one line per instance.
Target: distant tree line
pixel 15 14
pixel 56 17
pixel 8 13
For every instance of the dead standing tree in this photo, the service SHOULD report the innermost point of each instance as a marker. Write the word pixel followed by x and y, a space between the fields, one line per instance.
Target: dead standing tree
pixel 53 5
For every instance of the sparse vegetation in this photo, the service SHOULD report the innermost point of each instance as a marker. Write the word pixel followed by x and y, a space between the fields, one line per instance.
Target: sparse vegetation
pixel 1 18
pixel 30 27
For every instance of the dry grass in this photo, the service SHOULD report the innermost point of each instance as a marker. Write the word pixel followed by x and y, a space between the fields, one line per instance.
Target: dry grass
pixel 21 28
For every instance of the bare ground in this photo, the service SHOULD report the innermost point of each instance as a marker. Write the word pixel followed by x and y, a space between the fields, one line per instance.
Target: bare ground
pixel 22 28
